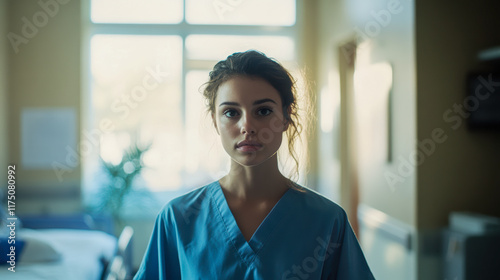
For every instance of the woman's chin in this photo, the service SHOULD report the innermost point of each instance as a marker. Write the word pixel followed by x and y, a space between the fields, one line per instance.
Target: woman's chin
pixel 251 160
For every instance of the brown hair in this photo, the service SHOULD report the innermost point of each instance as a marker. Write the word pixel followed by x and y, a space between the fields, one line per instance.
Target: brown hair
pixel 256 64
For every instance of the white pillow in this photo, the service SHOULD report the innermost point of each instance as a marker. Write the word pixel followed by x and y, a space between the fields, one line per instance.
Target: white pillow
pixel 37 247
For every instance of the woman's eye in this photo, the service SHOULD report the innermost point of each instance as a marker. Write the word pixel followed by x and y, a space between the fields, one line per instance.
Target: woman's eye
pixel 230 113
pixel 264 111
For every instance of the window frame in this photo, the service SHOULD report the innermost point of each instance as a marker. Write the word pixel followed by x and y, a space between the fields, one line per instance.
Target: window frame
pixel 182 29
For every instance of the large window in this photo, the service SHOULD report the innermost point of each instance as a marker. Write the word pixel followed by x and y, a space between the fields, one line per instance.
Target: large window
pixel 147 62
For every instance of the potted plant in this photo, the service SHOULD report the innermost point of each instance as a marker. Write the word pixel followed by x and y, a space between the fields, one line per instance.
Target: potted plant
pixel 120 183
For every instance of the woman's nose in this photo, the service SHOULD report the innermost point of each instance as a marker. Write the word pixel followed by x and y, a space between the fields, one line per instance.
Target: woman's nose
pixel 247 125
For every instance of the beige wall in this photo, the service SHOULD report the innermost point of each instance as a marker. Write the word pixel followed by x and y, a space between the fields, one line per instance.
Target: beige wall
pixel 393 43
pixel 45 72
pixel 4 131
pixel 462 173
pixel 338 23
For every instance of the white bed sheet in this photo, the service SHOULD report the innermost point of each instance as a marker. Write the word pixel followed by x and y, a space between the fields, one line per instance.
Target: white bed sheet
pixel 81 252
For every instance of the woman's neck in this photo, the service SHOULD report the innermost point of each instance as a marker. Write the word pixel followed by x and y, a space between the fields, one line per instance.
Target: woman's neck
pixel 254 183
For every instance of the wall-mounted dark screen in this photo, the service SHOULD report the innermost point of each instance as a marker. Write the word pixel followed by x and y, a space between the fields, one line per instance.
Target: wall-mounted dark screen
pixel 483 100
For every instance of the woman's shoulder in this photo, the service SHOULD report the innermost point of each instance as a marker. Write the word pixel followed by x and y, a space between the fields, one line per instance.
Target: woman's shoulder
pixel 317 203
pixel 187 206
pixel 193 198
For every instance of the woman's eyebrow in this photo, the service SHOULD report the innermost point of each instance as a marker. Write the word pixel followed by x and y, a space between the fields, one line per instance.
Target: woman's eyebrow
pixel 260 101
pixel 257 102
pixel 229 103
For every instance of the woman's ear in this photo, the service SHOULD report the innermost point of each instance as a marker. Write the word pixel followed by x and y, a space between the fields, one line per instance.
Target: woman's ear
pixel 286 121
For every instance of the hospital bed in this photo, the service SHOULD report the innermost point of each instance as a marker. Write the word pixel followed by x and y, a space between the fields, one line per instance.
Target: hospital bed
pixel 69 248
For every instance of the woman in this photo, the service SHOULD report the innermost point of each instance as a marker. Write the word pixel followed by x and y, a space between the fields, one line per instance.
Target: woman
pixel 253 223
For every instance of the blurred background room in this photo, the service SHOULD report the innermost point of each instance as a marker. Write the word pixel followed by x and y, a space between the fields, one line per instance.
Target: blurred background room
pixel 101 113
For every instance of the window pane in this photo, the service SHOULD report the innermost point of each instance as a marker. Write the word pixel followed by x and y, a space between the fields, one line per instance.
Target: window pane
pixel 136 85
pixel 136 11
pixel 205 158
pixel 241 12
pixel 218 47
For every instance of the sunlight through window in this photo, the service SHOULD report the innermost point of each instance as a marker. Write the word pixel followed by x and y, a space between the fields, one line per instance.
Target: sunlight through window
pixel 241 12
pixel 136 11
pixel 146 77
pixel 218 47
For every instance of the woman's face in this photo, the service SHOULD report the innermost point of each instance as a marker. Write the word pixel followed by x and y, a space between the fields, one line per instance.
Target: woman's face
pixel 249 119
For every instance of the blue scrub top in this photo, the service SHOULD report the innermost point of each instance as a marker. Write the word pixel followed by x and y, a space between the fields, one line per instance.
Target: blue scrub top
pixel 305 236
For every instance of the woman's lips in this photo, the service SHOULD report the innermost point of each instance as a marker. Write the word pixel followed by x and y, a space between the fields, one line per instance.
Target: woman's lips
pixel 248 146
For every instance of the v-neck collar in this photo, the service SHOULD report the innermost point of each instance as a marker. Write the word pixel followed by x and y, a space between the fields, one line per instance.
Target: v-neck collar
pixel 248 250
